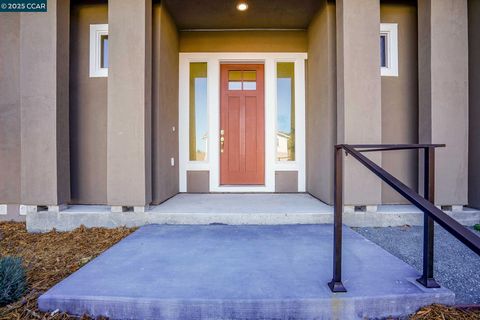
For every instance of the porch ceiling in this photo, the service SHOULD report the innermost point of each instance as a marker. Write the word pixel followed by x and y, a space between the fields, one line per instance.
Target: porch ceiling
pixel 222 14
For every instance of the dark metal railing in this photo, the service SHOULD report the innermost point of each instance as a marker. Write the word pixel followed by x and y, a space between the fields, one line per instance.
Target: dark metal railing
pixel 426 204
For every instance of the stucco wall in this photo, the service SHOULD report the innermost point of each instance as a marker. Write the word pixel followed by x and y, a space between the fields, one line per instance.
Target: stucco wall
pixel 321 103
pixel 10 108
pixel 400 98
pixel 474 114
pixel 129 118
pixel 44 96
pixel 359 107
pixel 443 93
pixel 164 105
pixel 88 109
pixel 243 41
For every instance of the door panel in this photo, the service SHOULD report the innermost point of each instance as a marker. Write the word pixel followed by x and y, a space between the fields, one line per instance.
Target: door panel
pixel 242 123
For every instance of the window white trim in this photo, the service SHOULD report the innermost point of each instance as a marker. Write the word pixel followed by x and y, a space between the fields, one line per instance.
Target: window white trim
pixel 96 33
pixel 213 109
pixel 390 31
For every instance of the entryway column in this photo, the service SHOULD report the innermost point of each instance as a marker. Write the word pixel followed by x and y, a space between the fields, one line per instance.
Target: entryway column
pixel 129 104
pixel 359 93
pixel 44 101
pixel 443 93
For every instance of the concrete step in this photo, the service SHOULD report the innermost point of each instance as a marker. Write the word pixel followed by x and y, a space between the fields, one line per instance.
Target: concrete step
pixel 233 209
pixel 241 272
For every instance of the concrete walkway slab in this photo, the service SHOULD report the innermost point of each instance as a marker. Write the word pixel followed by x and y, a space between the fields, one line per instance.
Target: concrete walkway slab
pixel 240 272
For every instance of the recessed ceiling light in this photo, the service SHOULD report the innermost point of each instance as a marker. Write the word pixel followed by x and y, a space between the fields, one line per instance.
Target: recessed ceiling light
pixel 242 6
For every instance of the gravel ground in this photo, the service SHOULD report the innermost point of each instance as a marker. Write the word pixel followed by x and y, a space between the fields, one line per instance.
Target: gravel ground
pixel 456 266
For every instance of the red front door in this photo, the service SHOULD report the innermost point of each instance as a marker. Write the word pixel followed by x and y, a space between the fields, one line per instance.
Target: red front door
pixel 242 123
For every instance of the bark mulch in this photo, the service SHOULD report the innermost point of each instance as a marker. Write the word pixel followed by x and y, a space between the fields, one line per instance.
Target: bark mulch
pixel 440 312
pixel 52 256
pixel 49 258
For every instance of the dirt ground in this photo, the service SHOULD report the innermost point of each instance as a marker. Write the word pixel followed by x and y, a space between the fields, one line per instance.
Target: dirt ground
pixel 49 258
pixel 52 256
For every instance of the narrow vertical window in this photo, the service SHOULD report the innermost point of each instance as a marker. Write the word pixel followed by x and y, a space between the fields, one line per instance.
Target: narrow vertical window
pixel 383 50
pixel 285 111
pixel 389 49
pixel 98 50
pixel 198 122
pixel 104 51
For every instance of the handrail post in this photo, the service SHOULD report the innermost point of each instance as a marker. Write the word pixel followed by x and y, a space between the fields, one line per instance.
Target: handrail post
pixel 427 279
pixel 336 283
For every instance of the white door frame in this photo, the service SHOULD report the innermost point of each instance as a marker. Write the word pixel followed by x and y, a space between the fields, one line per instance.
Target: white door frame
pixel 212 163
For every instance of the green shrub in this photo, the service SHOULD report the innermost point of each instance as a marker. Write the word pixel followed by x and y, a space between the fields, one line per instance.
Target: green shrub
pixel 477 227
pixel 13 280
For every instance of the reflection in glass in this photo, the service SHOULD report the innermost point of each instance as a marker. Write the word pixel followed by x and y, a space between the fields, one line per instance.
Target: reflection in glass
pixel 234 85
pixel 249 85
pixel 285 111
pixel 104 51
pixel 198 122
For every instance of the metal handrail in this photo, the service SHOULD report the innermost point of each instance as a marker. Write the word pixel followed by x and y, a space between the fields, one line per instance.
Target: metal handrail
pixel 426 204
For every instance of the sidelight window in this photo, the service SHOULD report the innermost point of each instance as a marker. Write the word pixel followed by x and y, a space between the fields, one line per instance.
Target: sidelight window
pixel 98 50
pixel 198 121
pixel 285 111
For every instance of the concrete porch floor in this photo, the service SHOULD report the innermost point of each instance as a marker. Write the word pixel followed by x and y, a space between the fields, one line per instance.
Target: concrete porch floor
pixel 241 272
pixel 233 209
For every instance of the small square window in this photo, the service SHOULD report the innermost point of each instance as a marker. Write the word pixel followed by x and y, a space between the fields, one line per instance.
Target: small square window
pixel 98 50
pixel 389 49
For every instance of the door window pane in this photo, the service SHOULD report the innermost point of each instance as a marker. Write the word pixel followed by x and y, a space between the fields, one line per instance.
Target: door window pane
pixel 198 121
pixel 242 80
pixel 285 111
pixel 249 75
pixel 234 80
pixel 249 85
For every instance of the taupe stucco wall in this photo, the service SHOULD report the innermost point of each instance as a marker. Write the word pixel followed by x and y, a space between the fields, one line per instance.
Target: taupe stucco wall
pixel 129 103
pixel 45 163
pixel 443 93
pixel 400 98
pixel 164 105
pixel 321 106
pixel 243 41
pixel 474 115
pixel 10 108
pixel 359 93
pixel 88 109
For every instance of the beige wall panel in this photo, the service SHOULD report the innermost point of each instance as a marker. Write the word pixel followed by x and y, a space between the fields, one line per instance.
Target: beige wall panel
pixel 400 98
pixel 44 72
pixel 129 103
pixel 198 181
pixel 443 93
pixel 243 41
pixel 359 93
pixel 321 103
pixel 88 109
pixel 164 105
pixel 10 108
pixel 474 85
pixel 286 181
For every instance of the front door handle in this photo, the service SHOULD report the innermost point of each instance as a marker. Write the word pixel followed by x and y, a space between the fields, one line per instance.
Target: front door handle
pixel 222 140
